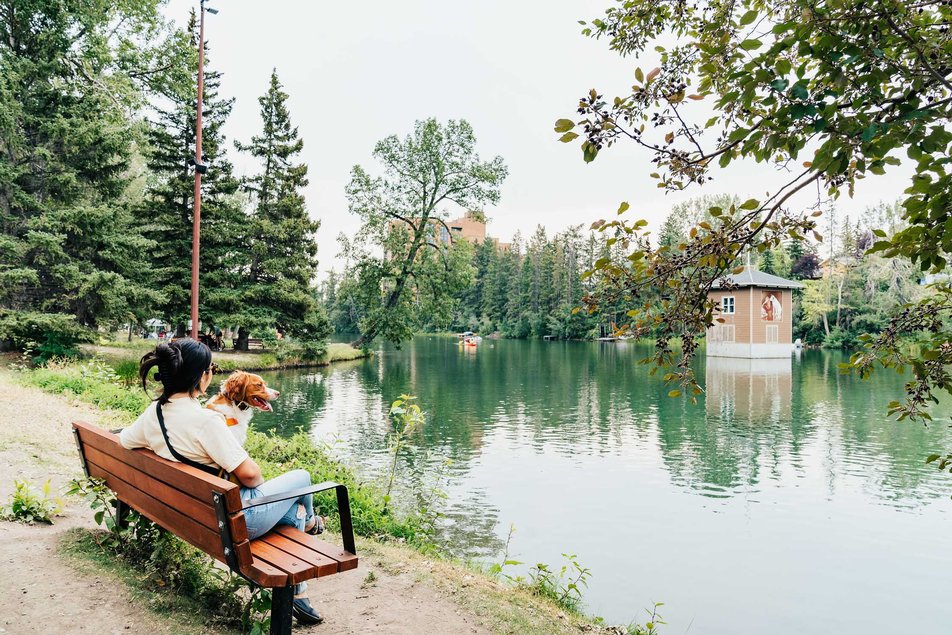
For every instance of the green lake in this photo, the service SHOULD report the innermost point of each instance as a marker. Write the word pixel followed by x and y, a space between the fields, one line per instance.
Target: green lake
pixel 784 502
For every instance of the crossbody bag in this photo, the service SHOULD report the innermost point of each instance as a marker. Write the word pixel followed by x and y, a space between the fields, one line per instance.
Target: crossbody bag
pixel 220 472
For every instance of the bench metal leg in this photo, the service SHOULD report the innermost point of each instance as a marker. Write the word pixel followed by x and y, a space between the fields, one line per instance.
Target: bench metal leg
pixel 122 514
pixel 281 610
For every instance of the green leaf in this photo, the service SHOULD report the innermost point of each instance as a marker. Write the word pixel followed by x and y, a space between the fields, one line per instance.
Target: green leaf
pixel 748 17
pixel 798 111
pixel 639 75
pixel 623 208
pixel 568 136
pixel 750 203
pixel 564 125
pixel 738 134
pixel 780 85
pixel 674 393
pixel 932 457
pixel 751 44
pixel 800 92
pixel 589 152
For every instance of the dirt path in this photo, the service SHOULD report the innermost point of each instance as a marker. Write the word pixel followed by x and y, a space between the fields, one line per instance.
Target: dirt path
pixel 40 591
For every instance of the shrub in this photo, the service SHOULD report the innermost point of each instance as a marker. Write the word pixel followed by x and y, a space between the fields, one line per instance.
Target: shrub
pixel 43 335
pixel 28 506
pixel 842 338
pixel 369 512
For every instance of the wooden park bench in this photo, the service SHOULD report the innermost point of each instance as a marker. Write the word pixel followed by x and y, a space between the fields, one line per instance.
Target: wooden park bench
pixel 254 344
pixel 206 512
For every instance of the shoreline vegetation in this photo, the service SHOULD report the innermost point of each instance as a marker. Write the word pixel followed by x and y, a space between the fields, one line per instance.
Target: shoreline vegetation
pixel 537 603
pixel 121 354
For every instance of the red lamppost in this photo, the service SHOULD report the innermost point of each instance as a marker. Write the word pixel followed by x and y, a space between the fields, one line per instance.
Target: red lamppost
pixel 200 167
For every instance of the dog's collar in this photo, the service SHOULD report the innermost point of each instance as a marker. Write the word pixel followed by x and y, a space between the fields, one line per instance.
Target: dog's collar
pixel 241 405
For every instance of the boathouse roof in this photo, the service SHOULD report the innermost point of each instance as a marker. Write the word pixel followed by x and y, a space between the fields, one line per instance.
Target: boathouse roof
pixel 751 277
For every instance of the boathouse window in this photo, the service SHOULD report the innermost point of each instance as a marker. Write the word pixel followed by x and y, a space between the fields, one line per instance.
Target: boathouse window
pixel 724 333
pixel 727 304
pixel 773 333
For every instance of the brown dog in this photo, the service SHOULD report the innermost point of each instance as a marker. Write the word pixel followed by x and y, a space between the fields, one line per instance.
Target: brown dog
pixel 238 398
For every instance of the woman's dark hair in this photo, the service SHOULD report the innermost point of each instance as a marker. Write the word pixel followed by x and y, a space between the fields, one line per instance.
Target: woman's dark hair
pixel 181 365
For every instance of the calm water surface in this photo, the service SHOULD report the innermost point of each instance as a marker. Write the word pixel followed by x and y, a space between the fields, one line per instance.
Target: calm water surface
pixel 784 502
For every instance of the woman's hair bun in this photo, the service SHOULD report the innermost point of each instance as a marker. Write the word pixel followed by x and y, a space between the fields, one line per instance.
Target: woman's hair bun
pixel 169 354
pixel 180 366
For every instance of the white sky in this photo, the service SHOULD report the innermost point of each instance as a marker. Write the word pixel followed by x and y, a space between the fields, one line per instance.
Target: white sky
pixel 359 71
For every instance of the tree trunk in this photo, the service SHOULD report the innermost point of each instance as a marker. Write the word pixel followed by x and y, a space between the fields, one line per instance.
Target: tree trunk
pixel 129 339
pixel 242 344
pixel 420 231
pixel 839 300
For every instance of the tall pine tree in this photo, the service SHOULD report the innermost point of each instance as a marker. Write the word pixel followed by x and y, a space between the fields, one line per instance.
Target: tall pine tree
pixel 70 244
pixel 277 288
pixel 170 204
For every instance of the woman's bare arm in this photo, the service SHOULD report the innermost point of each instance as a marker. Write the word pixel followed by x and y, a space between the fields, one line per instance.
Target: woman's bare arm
pixel 248 473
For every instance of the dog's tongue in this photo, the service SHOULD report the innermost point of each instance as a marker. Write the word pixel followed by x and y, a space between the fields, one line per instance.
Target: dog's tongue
pixel 262 404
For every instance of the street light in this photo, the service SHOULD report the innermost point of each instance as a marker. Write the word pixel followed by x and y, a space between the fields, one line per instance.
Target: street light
pixel 200 167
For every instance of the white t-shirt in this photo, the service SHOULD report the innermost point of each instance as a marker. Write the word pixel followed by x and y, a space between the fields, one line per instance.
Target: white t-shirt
pixel 195 432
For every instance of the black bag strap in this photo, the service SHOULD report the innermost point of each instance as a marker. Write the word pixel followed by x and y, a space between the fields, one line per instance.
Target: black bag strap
pixel 184 459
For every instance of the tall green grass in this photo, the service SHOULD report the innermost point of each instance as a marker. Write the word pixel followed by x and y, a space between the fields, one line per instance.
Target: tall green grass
pixel 370 514
pixel 93 382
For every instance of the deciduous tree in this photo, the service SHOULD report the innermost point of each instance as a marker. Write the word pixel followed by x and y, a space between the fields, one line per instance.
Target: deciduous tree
pixel 407 264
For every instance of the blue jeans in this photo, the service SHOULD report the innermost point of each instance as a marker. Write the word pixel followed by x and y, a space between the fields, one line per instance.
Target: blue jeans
pixel 260 520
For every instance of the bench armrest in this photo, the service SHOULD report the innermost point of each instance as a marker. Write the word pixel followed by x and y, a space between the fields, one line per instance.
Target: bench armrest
pixel 343 507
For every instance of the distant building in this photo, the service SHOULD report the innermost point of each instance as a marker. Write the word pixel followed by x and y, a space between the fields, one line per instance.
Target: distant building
pixel 467 227
pixel 754 320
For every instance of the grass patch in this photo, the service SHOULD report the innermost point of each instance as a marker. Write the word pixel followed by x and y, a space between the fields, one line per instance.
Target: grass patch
pixel 342 352
pixel 93 382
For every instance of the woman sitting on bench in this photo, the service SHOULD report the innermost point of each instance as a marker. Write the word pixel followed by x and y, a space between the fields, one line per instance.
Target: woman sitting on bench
pixel 178 428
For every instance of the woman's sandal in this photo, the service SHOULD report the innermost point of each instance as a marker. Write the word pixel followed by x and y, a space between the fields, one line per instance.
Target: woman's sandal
pixel 316 526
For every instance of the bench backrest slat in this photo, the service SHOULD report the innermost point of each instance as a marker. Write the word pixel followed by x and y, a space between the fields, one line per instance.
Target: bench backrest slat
pixel 175 496
pixel 198 510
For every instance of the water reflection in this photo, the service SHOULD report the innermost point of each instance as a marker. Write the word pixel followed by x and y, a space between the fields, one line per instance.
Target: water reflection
pixel 581 448
pixel 759 419
pixel 748 390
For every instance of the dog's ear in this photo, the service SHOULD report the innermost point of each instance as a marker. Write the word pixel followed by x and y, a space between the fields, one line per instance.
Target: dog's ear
pixel 236 386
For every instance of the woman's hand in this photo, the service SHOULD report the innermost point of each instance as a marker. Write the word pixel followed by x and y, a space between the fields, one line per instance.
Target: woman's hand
pixel 249 473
